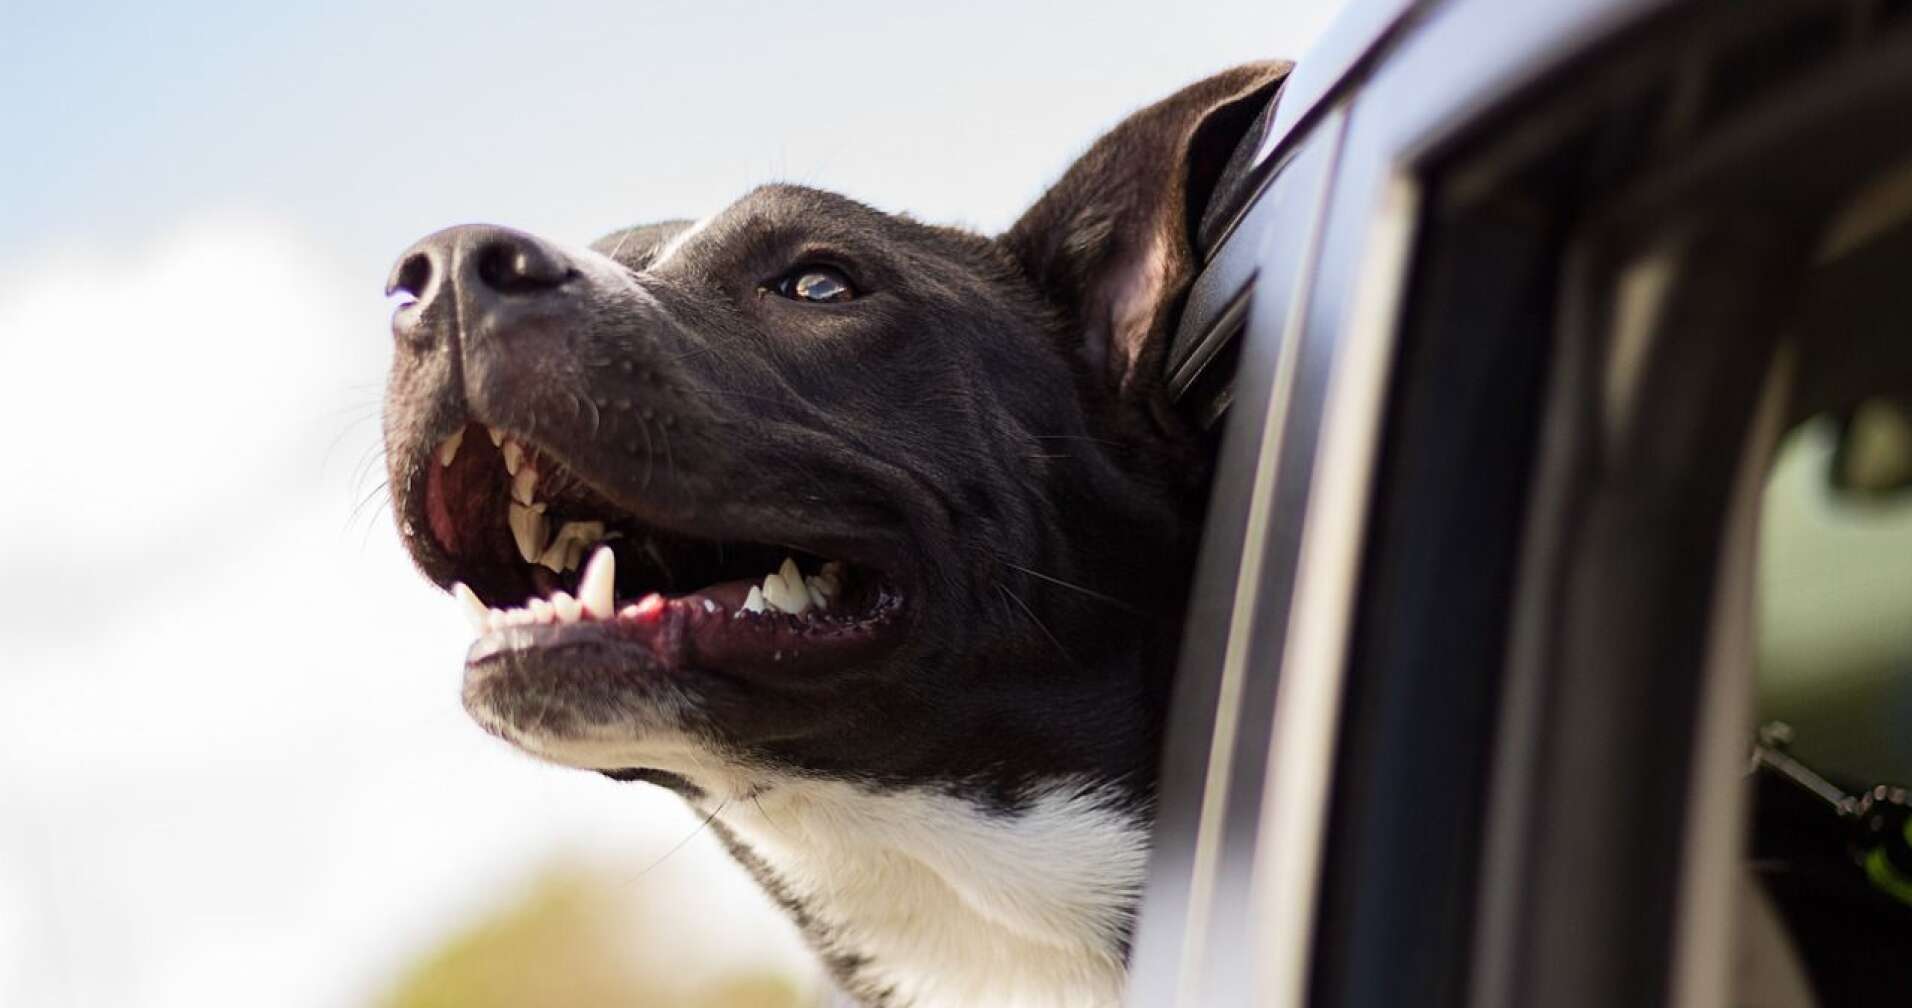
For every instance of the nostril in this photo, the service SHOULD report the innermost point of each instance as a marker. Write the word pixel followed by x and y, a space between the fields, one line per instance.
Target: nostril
pixel 512 266
pixel 410 279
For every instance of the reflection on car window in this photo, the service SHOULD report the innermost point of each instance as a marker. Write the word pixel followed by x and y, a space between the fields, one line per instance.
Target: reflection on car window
pixel 1835 587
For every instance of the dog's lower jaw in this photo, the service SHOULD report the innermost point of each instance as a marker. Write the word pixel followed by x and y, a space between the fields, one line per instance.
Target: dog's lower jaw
pixel 924 899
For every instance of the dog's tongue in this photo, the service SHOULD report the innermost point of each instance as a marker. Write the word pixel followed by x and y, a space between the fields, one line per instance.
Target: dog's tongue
pixel 729 594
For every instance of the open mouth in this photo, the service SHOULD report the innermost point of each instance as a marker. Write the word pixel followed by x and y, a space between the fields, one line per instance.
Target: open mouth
pixel 544 560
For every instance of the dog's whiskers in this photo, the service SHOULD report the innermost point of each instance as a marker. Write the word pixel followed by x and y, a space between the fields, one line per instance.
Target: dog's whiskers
pixel 688 837
pixel 372 454
pixel 359 508
pixel 1073 437
pixel 365 537
pixel 1033 618
pixel 1090 592
pixel 765 813
pixel 740 395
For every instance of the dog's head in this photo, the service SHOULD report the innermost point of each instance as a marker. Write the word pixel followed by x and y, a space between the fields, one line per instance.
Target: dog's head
pixel 804 487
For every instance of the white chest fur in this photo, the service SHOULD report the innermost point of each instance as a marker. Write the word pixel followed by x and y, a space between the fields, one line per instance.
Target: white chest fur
pixel 951 904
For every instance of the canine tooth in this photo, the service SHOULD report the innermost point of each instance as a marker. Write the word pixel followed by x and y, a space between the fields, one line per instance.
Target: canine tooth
pixel 817 593
pixel 528 527
pixel 541 610
pixel 569 611
pixel 753 602
pixel 597 587
pixel 497 436
pixel 474 608
pixel 523 483
pixel 783 596
pixel 448 448
pixel 514 456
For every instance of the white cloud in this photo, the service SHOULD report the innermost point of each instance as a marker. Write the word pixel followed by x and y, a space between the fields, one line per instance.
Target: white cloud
pixel 231 753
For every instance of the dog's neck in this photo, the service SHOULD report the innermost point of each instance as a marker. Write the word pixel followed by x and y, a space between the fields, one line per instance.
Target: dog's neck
pixel 917 897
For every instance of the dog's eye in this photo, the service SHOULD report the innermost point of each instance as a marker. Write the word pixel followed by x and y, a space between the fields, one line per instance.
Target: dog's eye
pixel 821 284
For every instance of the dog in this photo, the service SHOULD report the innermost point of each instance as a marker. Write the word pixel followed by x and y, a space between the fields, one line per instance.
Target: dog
pixel 869 538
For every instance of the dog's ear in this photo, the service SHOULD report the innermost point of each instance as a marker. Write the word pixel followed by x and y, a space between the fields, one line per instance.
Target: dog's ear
pixel 1111 244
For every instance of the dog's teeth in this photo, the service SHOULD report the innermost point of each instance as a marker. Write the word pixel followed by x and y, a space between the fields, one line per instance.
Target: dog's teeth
pixel 528 527
pixel 524 484
pixel 818 596
pixel 782 596
pixel 521 617
pixel 772 590
pixel 514 456
pixel 597 587
pixel 566 549
pixel 569 611
pixel 494 620
pixel 497 436
pixel 753 602
pixel 474 609
pixel 448 448
pixel 541 611
pixel 586 532
pixel 832 570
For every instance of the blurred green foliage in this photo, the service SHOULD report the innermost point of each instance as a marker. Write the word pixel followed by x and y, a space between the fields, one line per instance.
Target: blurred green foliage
pixel 568 942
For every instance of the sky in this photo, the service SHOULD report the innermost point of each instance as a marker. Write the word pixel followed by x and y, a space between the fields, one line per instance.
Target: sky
pixel 233 768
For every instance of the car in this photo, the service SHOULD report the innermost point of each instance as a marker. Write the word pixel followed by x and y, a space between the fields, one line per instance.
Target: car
pixel 1557 361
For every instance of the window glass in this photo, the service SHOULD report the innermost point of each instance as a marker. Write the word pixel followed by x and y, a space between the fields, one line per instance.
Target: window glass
pixel 1835 593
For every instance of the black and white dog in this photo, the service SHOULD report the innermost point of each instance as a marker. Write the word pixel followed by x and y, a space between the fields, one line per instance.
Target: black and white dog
pixel 869 538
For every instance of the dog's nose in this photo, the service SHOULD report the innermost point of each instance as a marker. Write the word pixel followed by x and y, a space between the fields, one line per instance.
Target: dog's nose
pixel 463 274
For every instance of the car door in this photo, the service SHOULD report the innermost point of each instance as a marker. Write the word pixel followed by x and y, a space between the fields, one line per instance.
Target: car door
pixel 1466 700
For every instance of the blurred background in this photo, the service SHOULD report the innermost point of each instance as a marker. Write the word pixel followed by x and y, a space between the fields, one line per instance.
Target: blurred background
pixel 233 767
